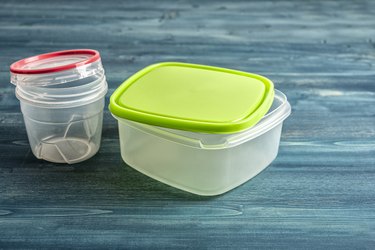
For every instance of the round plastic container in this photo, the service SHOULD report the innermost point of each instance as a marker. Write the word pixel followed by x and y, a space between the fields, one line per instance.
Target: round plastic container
pixel 62 100
pixel 202 129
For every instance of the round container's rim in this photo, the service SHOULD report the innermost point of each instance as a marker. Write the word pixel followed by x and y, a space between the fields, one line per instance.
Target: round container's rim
pixel 16 67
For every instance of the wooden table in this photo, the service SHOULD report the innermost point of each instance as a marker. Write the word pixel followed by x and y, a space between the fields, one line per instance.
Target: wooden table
pixel 318 193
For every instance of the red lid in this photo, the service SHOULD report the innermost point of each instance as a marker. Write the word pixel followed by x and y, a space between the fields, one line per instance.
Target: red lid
pixel 55 61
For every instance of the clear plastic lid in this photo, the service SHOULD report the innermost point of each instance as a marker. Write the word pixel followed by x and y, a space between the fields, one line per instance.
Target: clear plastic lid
pixel 60 79
pixel 56 67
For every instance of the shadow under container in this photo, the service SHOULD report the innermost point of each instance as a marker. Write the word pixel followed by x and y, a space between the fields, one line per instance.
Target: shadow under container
pixel 211 130
pixel 62 99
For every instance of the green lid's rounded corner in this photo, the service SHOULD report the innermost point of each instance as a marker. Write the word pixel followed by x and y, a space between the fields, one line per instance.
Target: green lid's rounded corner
pixel 193 97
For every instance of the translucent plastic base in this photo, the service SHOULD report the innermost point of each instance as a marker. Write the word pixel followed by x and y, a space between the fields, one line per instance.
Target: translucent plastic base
pixel 65 150
pixel 65 135
pixel 197 170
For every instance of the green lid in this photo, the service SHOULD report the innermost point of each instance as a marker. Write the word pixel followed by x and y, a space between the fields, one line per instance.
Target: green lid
pixel 193 97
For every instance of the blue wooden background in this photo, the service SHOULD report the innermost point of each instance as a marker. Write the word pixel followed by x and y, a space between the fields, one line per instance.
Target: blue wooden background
pixel 318 193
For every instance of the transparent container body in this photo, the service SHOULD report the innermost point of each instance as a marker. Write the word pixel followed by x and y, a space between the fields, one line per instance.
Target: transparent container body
pixel 203 164
pixel 64 135
pixel 62 108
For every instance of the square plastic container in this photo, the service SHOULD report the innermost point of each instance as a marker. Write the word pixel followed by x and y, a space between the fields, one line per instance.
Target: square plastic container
pixel 199 158
pixel 203 164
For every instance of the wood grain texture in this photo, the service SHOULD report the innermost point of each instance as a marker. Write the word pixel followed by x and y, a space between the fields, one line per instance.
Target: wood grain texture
pixel 318 194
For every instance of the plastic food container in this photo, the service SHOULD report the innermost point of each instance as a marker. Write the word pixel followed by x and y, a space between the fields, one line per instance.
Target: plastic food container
pixel 202 129
pixel 62 100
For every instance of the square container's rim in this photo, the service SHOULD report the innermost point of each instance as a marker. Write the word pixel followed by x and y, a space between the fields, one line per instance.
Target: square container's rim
pixel 189 125
pixel 268 122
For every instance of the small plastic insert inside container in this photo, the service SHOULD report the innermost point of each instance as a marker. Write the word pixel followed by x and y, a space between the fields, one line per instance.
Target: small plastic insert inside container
pixel 62 100
pixel 202 129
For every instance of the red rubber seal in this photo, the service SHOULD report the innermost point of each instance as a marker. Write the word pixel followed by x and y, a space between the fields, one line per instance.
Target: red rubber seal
pixel 17 67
